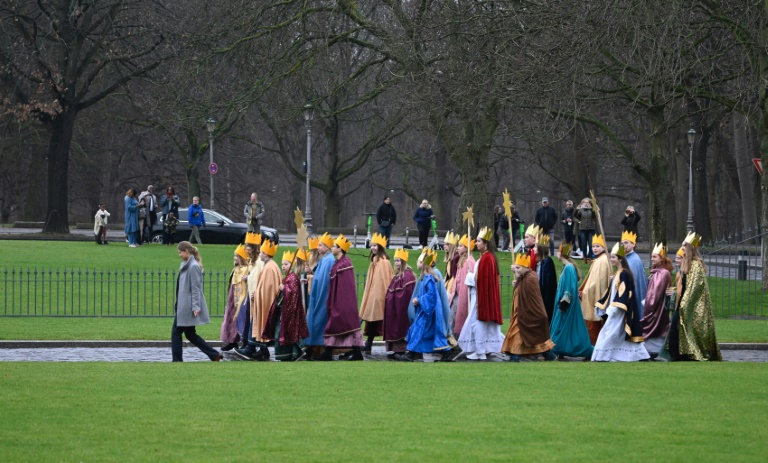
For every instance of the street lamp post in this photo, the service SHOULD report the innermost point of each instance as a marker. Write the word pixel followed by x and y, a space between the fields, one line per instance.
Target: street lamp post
pixel 210 124
pixel 691 139
pixel 309 114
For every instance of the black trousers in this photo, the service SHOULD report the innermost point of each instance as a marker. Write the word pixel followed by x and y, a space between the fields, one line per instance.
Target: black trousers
pixel 423 234
pixel 194 338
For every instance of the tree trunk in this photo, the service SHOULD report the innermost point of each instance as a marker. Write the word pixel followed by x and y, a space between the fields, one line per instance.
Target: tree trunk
pixel 701 196
pixel 745 170
pixel 332 207
pixel 441 199
pixel 57 211
pixel 657 190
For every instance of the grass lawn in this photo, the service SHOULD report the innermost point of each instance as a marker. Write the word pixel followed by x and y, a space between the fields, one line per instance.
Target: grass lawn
pixel 383 412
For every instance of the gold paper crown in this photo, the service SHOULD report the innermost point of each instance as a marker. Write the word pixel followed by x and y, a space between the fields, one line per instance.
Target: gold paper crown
pixel 542 239
pixel 402 254
pixel 681 252
pixel 485 234
pixel 302 254
pixel 598 239
pixel 693 239
pixel 533 230
pixel 343 243
pixel 379 239
pixel 240 251
pixel 523 260
pixel 629 236
pixel 565 249
pixel 427 256
pixel 618 249
pixel 659 249
pixel 289 256
pixel 253 238
pixel 313 242
pixel 470 245
pixel 327 240
pixel 268 248
pixel 451 238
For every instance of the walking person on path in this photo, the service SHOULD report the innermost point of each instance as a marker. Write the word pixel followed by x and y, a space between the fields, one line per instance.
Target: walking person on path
pixel 191 308
pixel 423 219
pixel 196 219
pixel 546 219
pixel 386 217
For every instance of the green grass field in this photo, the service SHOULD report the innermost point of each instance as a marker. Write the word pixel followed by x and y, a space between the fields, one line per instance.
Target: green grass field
pixel 352 412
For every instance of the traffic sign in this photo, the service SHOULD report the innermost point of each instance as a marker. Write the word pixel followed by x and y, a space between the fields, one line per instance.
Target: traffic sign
pixel 213 168
pixel 758 165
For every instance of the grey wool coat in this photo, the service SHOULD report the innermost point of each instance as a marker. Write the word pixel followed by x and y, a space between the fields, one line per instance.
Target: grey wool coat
pixel 189 295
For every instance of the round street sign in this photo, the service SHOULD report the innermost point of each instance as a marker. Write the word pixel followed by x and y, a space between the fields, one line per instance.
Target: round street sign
pixel 213 168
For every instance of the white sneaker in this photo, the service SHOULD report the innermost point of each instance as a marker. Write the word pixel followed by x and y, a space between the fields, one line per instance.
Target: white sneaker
pixel 132 246
pixel 474 356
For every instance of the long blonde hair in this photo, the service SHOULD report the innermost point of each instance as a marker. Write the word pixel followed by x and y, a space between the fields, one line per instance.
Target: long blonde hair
pixel 691 254
pixel 187 246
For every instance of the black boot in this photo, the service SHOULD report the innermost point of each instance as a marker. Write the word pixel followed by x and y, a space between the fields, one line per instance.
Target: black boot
pixel 262 355
pixel 327 355
pixel 228 346
pixel 368 345
pixel 357 354
pixel 549 356
pixel 248 352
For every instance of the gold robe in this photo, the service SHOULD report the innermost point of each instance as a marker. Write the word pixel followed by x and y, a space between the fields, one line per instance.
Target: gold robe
pixel 380 274
pixel 266 290
pixel 594 286
pixel 696 323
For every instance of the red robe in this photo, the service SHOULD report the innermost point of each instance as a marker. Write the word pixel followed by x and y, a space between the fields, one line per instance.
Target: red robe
pixel 488 292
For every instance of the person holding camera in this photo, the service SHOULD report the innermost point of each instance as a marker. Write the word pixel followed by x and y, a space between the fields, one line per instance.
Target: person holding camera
pixel 587 220
pixel 100 225
pixel 386 218
pixel 630 220
pixel 170 203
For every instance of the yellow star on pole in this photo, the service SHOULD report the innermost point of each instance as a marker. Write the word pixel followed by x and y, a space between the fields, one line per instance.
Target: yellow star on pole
pixel 301 237
pixel 469 217
pixel 507 203
pixel 298 218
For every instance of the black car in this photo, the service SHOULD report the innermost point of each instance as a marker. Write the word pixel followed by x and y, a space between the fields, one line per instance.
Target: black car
pixel 218 229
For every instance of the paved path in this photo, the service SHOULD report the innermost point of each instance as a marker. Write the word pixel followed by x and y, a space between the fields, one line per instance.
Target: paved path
pixel 192 354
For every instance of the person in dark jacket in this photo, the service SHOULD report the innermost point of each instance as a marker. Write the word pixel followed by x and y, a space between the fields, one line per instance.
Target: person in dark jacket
pixel 423 219
pixel 546 218
pixel 587 221
pixel 630 220
pixel 386 217
pixel 566 218
pixel 498 214
pixel 196 219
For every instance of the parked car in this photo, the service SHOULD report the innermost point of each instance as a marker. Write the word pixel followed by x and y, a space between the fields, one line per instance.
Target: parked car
pixel 219 229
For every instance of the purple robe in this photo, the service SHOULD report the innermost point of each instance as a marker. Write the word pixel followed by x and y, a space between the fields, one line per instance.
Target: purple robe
pixel 398 297
pixel 229 332
pixel 656 319
pixel 343 326
pixel 290 311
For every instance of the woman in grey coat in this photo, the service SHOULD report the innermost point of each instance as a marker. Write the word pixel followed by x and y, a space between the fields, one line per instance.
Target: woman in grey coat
pixel 191 309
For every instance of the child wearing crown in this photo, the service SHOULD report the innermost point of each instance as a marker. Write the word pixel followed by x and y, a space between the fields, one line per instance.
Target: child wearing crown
pixel 286 323
pixel 237 293
pixel 317 313
pixel 481 333
pixel 628 240
pixel 342 331
pixel 594 286
pixel 621 339
pixel 528 332
pixel 545 270
pixel 376 283
pixel 655 315
pixel 568 331
pixel 399 292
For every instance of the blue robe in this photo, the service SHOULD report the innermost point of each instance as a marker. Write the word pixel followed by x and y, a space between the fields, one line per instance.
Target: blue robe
pixel 568 330
pixel 317 315
pixel 427 332
pixel 641 281
pixel 131 215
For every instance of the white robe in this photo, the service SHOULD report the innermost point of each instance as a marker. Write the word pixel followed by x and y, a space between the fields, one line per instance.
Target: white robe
pixel 476 336
pixel 611 345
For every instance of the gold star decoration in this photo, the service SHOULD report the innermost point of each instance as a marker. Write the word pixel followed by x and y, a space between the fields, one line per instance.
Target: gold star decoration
pixel 301 237
pixel 298 218
pixel 469 217
pixel 507 203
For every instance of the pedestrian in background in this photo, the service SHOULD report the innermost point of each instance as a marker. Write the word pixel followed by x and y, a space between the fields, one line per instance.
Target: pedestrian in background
pixel 170 203
pixel 196 219
pixel 169 228
pixel 423 219
pixel 254 212
pixel 546 218
pixel 132 205
pixel 630 220
pixel 566 218
pixel 386 217
pixel 100 224
pixel 587 220
pixel 148 214
pixel 190 308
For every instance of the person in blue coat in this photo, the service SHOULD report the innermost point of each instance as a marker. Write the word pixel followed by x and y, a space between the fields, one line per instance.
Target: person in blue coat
pixel 423 219
pixel 628 240
pixel 428 331
pixel 317 314
pixel 568 330
pixel 196 219
pixel 132 205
